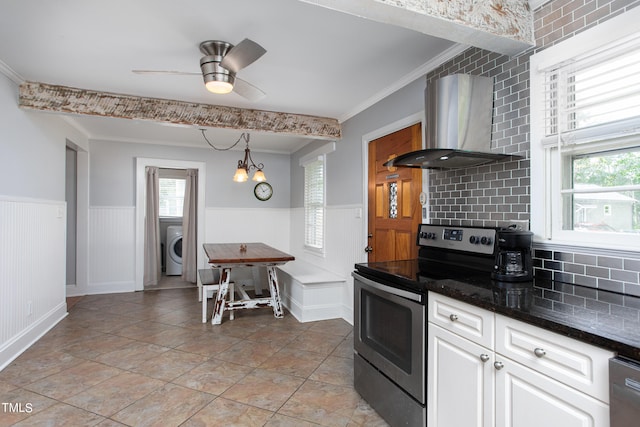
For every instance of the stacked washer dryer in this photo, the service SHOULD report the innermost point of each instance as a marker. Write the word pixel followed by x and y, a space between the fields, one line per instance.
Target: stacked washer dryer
pixel 174 250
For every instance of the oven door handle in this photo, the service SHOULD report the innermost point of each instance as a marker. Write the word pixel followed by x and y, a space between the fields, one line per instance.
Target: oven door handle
pixel 389 289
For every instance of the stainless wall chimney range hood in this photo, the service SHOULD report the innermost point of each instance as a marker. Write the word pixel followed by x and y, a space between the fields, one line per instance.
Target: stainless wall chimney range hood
pixel 458 111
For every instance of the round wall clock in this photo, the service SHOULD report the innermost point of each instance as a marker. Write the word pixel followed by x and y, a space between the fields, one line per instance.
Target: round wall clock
pixel 263 191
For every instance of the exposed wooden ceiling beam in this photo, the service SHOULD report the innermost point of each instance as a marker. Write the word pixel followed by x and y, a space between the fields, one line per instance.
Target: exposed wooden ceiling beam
pixel 503 26
pixel 69 100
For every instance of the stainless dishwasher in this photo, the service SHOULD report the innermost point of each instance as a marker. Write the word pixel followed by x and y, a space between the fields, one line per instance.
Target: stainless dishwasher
pixel 624 392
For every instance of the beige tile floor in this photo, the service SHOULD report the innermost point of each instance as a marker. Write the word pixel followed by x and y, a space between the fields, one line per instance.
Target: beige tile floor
pixel 145 359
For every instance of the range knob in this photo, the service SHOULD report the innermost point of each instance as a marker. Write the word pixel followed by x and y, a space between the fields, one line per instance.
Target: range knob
pixel 474 240
pixel 428 235
pixel 486 240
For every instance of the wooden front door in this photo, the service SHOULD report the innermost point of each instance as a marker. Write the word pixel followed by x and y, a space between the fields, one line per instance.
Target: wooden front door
pixel 394 205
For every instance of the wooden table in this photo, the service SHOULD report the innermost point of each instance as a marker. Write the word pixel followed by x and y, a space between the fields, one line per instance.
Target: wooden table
pixel 229 255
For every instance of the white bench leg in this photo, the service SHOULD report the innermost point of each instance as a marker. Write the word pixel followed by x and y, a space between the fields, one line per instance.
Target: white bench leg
pixel 203 298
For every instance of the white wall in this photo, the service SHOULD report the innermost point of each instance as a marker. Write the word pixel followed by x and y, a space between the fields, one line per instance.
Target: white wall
pixel 113 174
pixel 32 222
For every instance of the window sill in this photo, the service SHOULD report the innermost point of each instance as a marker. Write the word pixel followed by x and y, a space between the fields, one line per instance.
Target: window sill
pixel 562 246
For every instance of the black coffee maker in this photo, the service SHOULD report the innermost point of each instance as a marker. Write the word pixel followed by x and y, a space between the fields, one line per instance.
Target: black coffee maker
pixel 513 256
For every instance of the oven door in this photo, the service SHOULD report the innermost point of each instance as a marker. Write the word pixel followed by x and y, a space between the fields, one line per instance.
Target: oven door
pixel 390 332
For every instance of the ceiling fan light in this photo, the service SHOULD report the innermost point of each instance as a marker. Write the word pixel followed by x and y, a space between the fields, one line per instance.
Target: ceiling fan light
pixel 219 87
pixel 217 79
pixel 241 175
pixel 259 176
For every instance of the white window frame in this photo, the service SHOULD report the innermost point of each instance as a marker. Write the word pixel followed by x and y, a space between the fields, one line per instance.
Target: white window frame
pixel 320 154
pixel 546 199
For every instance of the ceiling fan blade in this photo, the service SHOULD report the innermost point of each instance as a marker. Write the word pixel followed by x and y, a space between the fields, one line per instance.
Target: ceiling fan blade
pixel 241 55
pixel 160 72
pixel 247 90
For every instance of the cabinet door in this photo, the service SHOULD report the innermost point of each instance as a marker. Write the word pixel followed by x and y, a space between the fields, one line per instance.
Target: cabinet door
pixel 525 398
pixel 460 381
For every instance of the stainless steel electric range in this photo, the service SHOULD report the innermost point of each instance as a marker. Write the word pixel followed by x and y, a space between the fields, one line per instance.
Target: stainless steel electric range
pixel 390 338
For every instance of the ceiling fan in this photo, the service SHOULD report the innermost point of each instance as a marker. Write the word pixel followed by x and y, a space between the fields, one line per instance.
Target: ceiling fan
pixel 220 64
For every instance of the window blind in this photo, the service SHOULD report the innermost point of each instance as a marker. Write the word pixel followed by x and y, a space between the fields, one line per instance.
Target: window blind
pixel 594 97
pixel 314 203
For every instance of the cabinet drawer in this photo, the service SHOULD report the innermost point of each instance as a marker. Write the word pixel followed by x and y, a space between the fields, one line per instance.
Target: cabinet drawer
pixel 468 321
pixel 572 362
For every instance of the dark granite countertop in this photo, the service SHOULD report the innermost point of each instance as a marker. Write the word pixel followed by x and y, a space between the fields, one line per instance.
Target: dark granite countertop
pixel 601 318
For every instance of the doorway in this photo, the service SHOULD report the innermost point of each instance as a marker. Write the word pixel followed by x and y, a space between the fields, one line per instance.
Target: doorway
pixel 71 197
pixel 172 187
pixel 141 165
pixel 394 211
pixel 77 199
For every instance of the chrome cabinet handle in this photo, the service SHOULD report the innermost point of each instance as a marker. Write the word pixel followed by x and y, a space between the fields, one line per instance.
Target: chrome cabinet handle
pixel 498 365
pixel 484 358
pixel 539 352
pixel 453 317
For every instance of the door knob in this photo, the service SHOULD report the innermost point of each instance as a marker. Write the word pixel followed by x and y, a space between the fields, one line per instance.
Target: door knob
pixel 484 358
pixel 368 249
pixel 498 365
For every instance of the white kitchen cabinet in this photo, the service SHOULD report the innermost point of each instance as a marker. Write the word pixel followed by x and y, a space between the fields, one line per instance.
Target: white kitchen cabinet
pixel 542 379
pixel 460 379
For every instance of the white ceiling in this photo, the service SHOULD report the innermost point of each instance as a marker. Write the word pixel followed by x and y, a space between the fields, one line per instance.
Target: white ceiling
pixel 318 62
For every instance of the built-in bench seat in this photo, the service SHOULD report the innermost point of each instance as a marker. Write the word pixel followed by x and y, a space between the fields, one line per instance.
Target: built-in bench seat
pixel 309 292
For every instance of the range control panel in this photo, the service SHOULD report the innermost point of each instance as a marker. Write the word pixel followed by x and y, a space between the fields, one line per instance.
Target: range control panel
pixel 465 239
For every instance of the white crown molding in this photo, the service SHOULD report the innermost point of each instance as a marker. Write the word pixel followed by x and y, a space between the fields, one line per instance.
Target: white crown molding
pixel 11 74
pixel 434 62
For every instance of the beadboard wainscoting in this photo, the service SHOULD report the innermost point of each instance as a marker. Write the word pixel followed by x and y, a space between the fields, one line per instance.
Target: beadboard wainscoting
pixel 242 225
pixel 111 249
pixel 245 225
pixel 32 272
pixel 112 240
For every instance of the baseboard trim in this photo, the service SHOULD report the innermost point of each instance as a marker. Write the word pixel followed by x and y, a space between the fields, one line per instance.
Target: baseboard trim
pixel 20 343
pixel 110 288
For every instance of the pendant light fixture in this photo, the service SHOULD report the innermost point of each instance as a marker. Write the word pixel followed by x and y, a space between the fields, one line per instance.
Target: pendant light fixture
pixel 246 165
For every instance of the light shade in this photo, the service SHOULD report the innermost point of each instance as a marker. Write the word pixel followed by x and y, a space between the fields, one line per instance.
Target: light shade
pixel 241 175
pixel 259 176
pixel 219 87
